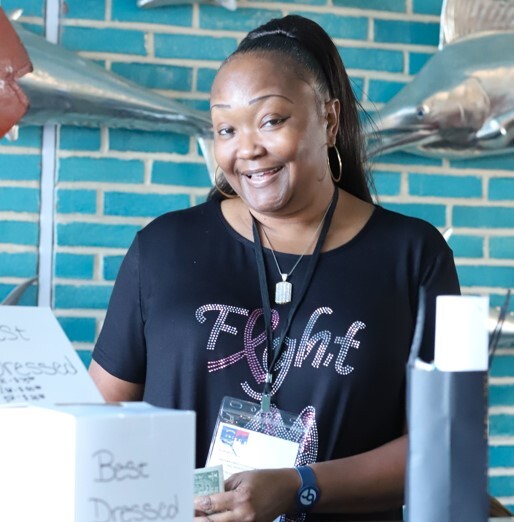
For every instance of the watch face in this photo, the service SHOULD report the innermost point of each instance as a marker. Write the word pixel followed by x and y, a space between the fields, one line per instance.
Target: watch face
pixel 308 496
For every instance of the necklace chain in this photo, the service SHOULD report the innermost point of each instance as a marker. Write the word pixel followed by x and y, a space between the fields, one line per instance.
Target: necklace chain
pixel 309 244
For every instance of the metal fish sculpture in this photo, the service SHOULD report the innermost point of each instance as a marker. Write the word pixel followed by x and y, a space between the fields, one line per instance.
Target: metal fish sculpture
pixel 461 104
pixel 17 293
pixel 507 333
pixel 14 63
pixel 65 88
pixel 229 4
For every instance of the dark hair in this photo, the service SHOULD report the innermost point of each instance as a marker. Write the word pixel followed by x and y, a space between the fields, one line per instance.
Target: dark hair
pixel 307 43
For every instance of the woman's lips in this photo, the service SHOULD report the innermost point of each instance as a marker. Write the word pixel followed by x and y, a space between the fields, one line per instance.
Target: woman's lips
pixel 261 173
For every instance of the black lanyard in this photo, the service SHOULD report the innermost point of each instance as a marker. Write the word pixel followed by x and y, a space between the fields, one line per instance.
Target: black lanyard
pixel 295 303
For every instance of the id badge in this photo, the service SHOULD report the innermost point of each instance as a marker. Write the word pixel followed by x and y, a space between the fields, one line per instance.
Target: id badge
pixel 246 438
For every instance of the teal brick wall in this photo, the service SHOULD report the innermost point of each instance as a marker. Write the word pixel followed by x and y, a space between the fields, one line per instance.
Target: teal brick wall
pixel 74 266
pixel 147 205
pixel 111 182
pixel 78 138
pixel 101 169
pixel 87 234
pixel 104 40
pixel 79 329
pixel 76 201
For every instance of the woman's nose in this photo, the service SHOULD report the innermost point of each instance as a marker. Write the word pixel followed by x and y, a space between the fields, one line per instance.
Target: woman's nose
pixel 249 145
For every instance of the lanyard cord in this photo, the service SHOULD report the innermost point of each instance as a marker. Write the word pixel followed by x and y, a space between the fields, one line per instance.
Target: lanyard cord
pixel 266 306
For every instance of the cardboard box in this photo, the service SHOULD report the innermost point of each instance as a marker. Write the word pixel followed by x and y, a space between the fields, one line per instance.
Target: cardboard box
pixel 96 463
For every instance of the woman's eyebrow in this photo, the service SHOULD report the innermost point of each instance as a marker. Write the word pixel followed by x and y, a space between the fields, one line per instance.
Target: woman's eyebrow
pixel 260 98
pixel 252 101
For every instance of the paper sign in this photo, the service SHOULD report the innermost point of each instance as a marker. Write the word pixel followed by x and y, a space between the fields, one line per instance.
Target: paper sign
pixel 239 449
pixel 38 364
pixel 461 333
pixel 145 476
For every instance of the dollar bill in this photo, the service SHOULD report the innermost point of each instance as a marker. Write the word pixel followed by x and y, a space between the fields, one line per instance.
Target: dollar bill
pixel 208 480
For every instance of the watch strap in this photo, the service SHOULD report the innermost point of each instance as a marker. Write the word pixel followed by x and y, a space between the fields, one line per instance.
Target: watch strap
pixel 308 492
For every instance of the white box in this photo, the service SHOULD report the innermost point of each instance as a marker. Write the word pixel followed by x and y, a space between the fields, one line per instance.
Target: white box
pixel 96 463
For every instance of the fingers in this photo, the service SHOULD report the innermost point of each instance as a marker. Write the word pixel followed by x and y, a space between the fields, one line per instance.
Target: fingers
pixel 213 508
pixel 218 507
pixel 204 518
pixel 205 505
pixel 228 506
pixel 217 517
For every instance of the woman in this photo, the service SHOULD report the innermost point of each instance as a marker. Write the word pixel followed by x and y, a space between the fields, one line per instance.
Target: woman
pixel 191 315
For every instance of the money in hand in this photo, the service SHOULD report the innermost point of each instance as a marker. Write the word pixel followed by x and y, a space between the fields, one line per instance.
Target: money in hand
pixel 208 480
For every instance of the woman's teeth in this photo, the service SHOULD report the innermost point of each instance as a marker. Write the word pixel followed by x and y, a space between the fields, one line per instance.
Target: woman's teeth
pixel 262 173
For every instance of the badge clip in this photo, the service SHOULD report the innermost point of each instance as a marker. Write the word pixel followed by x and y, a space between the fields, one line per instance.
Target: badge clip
pixel 266 395
pixel 265 402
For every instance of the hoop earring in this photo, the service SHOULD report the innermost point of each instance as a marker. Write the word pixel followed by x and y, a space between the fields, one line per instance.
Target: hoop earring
pixel 219 189
pixel 334 179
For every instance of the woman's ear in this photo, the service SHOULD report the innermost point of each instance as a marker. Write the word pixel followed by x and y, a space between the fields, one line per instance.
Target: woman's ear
pixel 332 108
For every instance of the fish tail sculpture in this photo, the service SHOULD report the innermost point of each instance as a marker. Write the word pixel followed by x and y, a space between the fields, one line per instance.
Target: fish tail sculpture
pixel 207 147
pixel 14 63
pixel 461 104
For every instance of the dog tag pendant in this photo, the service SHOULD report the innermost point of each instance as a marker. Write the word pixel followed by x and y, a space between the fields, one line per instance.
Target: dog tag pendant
pixel 283 291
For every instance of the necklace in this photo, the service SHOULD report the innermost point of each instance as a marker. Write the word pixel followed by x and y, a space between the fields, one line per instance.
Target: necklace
pixel 284 288
pixel 276 349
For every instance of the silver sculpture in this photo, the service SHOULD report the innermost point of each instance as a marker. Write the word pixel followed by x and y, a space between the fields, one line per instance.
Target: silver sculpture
pixel 506 339
pixel 461 104
pixel 65 88
pixel 17 293
pixel 229 4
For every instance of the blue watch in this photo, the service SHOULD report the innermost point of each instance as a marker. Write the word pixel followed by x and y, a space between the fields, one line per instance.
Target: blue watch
pixel 308 493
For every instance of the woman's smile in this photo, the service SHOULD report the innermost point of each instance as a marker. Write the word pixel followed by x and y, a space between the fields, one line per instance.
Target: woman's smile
pixel 261 176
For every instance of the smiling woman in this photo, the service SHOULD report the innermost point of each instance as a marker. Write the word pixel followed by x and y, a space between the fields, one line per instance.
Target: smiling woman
pixel 288 288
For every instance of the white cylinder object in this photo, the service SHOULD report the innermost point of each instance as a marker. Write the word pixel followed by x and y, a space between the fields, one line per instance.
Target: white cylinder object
pixel 461 333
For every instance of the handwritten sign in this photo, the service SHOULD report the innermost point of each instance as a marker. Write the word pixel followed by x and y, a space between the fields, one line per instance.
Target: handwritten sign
pixel 38 364
pixel 96 463
pixel 147 476
pixel 142 504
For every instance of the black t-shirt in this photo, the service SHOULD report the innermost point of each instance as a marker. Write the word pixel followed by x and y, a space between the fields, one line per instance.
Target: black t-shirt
pixel 185 319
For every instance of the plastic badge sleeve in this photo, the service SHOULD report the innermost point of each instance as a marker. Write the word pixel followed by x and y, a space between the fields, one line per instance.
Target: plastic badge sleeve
pixel 247 438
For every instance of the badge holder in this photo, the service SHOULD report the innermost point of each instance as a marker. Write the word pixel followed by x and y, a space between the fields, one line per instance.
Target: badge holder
pixel 246 438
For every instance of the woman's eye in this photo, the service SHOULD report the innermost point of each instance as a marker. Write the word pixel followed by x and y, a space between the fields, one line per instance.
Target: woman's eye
pixel 272 122
pixel 225 131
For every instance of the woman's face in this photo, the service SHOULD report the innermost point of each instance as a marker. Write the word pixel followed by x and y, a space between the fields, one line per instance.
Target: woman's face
pixel 271 133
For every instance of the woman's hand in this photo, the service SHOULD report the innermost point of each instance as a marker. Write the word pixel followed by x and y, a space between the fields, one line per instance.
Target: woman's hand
pixel 250 496
pixel 369 482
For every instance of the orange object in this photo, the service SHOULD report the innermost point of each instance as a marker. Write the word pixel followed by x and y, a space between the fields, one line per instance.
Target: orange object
pixel 14 63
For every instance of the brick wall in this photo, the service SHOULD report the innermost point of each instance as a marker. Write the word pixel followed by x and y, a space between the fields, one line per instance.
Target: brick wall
pixel 109 182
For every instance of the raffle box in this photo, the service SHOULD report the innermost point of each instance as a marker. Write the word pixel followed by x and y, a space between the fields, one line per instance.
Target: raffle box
pixel 447 465
pixel 447 415
pixel 96 463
